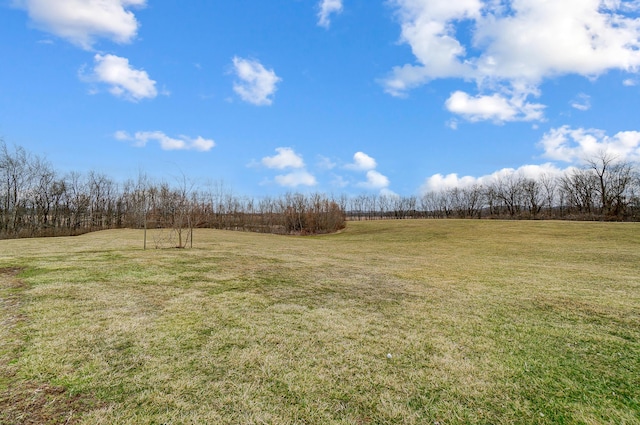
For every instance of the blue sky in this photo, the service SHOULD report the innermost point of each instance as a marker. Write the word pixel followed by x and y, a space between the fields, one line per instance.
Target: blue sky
pixel 333 96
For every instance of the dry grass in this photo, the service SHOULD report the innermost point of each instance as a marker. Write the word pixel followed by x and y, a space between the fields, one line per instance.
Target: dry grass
pixel 487 322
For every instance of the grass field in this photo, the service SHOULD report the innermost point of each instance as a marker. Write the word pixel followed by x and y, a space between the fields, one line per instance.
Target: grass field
pixel 487 322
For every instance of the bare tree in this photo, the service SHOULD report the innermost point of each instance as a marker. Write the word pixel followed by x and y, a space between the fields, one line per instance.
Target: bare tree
pixel 614 177
pixel 15 172
pixel 549 187
pixel 102 194
pixel 183 200
pixel 472 198
pixel 578 188
pixel 384 204
pixel 45 195
pixel 532 196
pixel 508 190
pixel 77 202
pixel 429 204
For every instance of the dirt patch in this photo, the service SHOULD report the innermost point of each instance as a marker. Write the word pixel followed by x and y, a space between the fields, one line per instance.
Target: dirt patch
pixel 31 403
pixel 10 271
pixel 8 279
pixel 25 402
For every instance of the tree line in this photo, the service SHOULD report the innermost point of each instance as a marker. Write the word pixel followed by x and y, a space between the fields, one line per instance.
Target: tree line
pixel 606 188
pixel 35 200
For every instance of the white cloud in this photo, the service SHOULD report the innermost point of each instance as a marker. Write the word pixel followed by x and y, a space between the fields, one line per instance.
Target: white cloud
pixel 325 163
pixel 362 162
pixel 452 124
pixel 580 37
pixel 572 146
pixel 629 82
pixel 389 193
pixel 326 9
pixel 121 135
pixel 495 108
pixel 506 51
pixel 201 144
pixel 141 138
pixel 439 182
pixel 83 21
pixel 375 180
pixel 286 158
pixel 296 178
pixel 576 145
pixel 124 81
pixel 427 26
pixel 255 84
pixel 339 182
pixel 582 102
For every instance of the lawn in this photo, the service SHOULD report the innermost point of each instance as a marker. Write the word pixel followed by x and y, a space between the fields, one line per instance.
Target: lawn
pixel 389 322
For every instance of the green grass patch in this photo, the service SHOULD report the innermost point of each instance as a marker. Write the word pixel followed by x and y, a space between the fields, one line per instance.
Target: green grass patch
pixel 486 322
